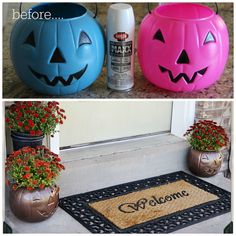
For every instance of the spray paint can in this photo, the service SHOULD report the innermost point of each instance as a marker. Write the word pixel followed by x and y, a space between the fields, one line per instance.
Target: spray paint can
pixel 120 47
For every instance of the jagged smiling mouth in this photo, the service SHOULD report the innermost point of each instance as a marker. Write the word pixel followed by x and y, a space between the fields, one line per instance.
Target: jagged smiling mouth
pixel 183 75
pixel 71 78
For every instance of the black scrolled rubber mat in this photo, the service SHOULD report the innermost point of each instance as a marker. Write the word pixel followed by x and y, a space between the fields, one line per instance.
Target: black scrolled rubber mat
pixel 79 206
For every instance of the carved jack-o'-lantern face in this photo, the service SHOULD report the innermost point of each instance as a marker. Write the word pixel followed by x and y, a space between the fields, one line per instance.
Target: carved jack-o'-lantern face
pixel 36 205
pixel 210 163
pixel 44 207
pixel 58 56
pixel 183 47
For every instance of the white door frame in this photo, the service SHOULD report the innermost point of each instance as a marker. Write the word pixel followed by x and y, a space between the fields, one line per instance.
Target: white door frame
pixel 183 113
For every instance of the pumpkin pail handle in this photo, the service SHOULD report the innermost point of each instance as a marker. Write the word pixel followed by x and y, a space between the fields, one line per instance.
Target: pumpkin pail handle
pixel 149 11
pixel 96 11
pixel 20 8
pixel 217 8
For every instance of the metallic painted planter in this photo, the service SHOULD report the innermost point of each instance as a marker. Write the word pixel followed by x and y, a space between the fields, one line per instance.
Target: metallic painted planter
pixel 204 164
pixel 36 205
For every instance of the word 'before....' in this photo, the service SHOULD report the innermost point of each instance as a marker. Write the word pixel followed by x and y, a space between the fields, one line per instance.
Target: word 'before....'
pixel 33 15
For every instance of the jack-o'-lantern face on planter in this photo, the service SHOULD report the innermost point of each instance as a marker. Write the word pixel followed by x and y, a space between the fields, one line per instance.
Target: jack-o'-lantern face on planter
pixel 58 56
pixel 36 205
pixel 183 47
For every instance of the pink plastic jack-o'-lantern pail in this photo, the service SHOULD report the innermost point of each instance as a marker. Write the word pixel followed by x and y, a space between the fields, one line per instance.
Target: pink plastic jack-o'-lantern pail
pixel 183 46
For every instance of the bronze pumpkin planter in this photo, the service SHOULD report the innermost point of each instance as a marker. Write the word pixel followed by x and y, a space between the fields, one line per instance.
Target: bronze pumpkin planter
pixel 36 205
pixel 203 163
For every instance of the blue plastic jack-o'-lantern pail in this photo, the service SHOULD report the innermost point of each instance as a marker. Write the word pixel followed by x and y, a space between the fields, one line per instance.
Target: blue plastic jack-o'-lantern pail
pixel 61 55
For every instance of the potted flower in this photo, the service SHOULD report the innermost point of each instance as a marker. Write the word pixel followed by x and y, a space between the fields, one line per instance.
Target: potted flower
pixel 29 121
pixel 206 139
pixel 31 174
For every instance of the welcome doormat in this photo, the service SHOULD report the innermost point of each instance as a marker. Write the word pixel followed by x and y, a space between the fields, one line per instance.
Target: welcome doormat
pixel 161 204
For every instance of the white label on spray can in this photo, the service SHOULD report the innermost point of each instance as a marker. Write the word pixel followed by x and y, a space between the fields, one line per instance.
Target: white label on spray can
pixel 121 53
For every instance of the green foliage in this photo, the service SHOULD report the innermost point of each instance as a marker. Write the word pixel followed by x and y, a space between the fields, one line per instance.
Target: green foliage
pixel 32 168
pixel 206 135
pixel 35 118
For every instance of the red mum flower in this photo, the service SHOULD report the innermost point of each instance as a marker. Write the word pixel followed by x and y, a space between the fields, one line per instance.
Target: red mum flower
pixel 39 132
pixel 38 163
pixel 19 161
pixel 41 186
pixel 26 128
pixel 32 132
pixel 31 123
pixel 20 124
pixel 19 114
pixel 30 104
pixel 58 159
pixel 39 172
pixel 62 166
pixel 49 176
pixel 27 168
pixel 35 181
pixel 26 176
pixel 29 188
pixel 14 187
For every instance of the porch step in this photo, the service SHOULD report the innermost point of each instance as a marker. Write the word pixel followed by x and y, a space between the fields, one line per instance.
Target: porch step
pixel 105 165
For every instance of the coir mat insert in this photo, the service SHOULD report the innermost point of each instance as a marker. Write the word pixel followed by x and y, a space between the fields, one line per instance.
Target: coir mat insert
pixel 156 205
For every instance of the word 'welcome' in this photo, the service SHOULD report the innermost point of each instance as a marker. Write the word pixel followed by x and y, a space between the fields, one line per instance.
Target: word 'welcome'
pixel 142 203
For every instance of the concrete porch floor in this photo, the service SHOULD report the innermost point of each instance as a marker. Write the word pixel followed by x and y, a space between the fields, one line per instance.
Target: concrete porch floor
pixel 100 166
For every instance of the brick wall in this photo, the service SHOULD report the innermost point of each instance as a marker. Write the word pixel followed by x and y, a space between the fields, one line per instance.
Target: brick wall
pixel 220 112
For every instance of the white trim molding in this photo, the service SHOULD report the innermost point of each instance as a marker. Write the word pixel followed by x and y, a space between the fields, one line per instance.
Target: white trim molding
pixel 53 143
pixel 183 113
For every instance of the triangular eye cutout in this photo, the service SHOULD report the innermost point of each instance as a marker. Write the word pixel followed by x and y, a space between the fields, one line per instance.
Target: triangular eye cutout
pixel 158 36
pixel 57 57
pixel 30 39
pixel 209 38
pixel 183 58
pixel 84 39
